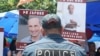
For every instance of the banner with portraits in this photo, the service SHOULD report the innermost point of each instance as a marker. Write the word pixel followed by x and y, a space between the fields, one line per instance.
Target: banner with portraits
pixel 30 29
pixel 73 17
pixel 1 41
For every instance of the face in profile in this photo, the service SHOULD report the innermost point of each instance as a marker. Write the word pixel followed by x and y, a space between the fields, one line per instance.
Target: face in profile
pixel 34 27
pixel 92 47
pixel 71 8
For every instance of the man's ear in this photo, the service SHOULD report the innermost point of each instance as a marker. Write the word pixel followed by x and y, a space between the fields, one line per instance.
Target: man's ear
pixel 61 30
pixel 43 32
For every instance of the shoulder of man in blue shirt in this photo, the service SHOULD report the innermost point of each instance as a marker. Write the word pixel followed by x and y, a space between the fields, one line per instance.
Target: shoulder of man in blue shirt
pixel 26 39
pixel 49 43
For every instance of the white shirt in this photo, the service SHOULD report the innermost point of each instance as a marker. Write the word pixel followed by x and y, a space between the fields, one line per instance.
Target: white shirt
pixel 66 20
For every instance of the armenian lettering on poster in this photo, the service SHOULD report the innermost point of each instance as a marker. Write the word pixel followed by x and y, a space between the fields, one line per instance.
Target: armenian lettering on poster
pixel 1 41
pixel 30 29
pixel 73 17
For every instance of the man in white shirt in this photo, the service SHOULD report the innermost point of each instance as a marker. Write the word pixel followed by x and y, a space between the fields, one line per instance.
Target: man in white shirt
pixel 70 21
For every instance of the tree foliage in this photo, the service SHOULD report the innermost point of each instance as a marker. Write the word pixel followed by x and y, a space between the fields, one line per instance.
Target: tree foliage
pixel 7 5
pixel 49 5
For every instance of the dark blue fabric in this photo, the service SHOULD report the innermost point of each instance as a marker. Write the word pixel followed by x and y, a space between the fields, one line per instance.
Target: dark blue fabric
pixel 93 19
pixel 93 16
pixel 5 51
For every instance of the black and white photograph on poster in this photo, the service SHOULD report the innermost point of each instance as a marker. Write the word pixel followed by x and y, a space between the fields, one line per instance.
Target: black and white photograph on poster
pixel 1 41
pixel 73 17
pixel 30 28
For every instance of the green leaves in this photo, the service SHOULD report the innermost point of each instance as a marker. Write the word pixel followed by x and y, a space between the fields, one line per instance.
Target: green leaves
pixel 11 2
pixel 7 5
pixel 49 5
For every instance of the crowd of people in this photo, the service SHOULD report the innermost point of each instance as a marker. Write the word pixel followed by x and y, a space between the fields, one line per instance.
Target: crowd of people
pixel 92 49
pixel 51 41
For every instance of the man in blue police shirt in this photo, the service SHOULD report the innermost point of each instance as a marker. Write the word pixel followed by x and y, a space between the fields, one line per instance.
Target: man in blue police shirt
pixel 53 44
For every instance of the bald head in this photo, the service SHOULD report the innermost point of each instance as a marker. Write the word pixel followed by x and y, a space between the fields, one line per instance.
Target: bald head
pixel 71 8
pixel 34 21
pixel 34 27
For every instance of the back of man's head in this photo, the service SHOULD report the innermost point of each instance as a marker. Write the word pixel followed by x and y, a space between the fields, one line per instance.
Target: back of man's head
pixel 51 21
pixel 51 24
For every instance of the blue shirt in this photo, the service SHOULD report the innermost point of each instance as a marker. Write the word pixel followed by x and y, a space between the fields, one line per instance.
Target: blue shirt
pixel 27 39
pixel 53 42
pixel 5 51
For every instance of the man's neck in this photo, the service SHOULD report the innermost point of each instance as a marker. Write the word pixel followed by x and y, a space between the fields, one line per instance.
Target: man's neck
pixel 35 38
pixel 53 31
pixel 71 13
